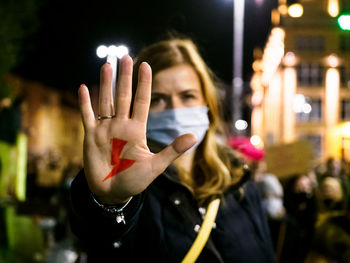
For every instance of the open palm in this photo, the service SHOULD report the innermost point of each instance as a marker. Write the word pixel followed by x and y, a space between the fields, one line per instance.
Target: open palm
pixel 117 161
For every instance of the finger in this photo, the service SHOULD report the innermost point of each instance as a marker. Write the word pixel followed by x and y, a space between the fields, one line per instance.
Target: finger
pixel 106 107
pixel 123 96
pixel 164 158
pixel 86 110
pixel 143 93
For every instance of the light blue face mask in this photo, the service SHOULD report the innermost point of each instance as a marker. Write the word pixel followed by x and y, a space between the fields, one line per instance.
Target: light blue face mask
pixel 166 125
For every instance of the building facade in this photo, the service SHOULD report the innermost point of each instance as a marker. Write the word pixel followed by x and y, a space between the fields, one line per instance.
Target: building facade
pixel 52 123
pixel 301 82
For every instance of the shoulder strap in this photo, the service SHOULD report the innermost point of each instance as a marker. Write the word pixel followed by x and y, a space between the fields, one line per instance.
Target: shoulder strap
pixel 204 232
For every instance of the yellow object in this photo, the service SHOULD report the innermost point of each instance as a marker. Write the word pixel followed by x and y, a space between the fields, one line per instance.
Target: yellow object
pixel 21 174
pixel 204 232
pixel 7 169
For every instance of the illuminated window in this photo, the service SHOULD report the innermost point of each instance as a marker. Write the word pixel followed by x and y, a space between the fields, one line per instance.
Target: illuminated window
pixel 310 74
pixel 345 109
pixel 343 75
pixel 310 43
pixel 312 112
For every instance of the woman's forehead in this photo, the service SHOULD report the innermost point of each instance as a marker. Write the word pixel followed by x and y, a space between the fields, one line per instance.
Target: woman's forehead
pixel 182 76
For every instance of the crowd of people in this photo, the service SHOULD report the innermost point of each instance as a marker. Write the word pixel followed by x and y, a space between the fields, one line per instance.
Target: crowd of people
pixel 308 213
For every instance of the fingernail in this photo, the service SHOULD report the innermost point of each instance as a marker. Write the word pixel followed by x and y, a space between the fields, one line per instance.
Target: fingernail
pixel 108 63
pixel 83 85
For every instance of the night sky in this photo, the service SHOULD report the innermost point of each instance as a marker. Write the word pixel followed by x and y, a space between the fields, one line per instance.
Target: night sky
pixel 62 53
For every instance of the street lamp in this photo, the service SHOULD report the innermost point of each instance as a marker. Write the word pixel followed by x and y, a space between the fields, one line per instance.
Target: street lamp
pixel 112 53
pixel 237 83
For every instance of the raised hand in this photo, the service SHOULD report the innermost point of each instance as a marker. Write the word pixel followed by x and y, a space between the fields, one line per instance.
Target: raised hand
pixel 117 161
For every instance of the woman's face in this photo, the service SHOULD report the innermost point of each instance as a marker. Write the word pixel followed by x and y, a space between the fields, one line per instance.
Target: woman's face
pixel 176 87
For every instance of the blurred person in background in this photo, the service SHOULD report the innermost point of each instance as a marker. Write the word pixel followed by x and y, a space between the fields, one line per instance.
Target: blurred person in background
pixel 345 179
pixel 151 170
pixel 330 195
pixel 272 193
pixel 331 242
pixel 301 209
pixel 331 168
pixel 269 187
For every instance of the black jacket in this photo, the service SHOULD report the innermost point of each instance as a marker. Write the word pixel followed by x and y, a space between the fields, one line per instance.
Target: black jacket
pixel 161 225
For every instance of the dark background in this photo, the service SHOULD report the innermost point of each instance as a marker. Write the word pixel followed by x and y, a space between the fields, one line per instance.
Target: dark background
pixel 61 52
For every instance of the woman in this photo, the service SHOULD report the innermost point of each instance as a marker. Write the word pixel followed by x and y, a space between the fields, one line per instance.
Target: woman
pixel 136 205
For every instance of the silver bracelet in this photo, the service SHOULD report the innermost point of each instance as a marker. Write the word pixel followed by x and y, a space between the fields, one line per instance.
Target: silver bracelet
pixel 115 210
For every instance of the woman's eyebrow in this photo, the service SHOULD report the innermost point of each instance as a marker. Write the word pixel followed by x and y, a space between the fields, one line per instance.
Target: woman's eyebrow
pixel 190 90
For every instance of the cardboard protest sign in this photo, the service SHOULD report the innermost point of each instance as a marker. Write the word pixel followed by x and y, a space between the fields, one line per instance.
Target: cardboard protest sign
pixel 287 159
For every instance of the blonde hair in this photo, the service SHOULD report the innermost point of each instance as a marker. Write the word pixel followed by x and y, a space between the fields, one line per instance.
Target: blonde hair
pixel 212 171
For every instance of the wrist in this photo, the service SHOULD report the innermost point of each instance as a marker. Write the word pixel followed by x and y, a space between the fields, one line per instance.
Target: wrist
pixel 116 210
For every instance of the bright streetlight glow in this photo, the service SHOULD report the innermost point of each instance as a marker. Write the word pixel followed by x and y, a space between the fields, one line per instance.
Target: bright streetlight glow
pixel 300 105
pixel 307 108
pixel 112 50
pixel 344 22
pixel 255 140
pixel 116 51
pixel 333 61
pixel 241 125
pixel 289 59
pixel 295 10
pixel 102 51
pixel 113 53
pixel 299 101
pixel 122 51
pixel 237 81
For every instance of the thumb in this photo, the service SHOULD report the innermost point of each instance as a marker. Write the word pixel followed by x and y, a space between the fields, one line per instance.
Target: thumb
pixel 165 157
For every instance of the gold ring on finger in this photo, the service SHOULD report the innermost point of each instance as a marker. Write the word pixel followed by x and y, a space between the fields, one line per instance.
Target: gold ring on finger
pixel 105 117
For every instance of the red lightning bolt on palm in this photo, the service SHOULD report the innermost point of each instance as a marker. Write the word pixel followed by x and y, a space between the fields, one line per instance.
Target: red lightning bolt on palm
pixel 118 163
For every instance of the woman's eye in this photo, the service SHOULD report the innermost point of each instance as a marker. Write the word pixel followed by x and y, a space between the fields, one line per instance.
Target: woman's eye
pixel 156 101
pixel 189 96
